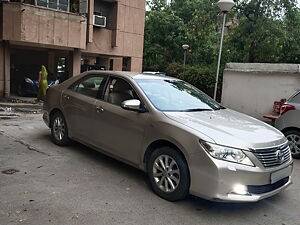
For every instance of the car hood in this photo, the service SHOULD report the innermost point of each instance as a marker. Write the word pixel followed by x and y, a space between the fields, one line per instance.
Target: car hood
pixel 230 128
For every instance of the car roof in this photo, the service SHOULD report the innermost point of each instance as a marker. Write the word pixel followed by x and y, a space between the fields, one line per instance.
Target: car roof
pixel 133 75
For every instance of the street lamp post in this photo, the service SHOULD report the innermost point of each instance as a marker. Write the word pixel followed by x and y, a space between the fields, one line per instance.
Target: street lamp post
pixel 225 6
pixel 185 48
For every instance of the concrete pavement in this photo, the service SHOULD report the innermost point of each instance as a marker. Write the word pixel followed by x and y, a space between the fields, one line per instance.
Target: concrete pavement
pixel 77 185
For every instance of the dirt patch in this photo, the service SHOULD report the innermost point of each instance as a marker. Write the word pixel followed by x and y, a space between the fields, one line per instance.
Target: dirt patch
pixel 10 171
pixel 16 100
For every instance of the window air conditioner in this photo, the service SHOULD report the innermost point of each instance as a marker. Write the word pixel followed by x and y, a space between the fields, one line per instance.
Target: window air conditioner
pixel 99 21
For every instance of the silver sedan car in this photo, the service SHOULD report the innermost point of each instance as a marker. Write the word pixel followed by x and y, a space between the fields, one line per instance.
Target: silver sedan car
pixel 184 140
pixel 289 123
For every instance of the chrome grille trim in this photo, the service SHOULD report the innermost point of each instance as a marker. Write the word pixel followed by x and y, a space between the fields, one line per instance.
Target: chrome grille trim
pixel 268 157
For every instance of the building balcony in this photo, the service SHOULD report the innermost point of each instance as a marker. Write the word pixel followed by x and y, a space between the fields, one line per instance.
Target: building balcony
pixel 42 26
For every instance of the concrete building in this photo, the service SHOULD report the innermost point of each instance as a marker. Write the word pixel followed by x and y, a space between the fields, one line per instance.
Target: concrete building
pixel 252 88
pixel 68 36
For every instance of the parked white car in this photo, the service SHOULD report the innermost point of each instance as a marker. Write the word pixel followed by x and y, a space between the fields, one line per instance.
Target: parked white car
pixel 288 123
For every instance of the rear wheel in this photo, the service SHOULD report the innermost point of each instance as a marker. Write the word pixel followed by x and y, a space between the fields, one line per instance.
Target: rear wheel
pixel 168 173
pixel 59 129
pixel 293 137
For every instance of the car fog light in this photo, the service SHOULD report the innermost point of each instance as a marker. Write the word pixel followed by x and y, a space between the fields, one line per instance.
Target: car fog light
pixel 240 189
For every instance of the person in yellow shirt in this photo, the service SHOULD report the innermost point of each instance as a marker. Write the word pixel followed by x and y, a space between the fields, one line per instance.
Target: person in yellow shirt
pixel 43 83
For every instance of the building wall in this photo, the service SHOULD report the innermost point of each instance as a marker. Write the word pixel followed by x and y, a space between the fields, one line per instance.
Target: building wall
pixel 128 34
pixel 26 23
pixel 253 88
pixel 28 26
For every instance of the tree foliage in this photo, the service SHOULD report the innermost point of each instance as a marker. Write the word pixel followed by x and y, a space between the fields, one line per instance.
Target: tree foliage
pixel 263 31
pixel 164 35
pixel 256 31
pixel 266 31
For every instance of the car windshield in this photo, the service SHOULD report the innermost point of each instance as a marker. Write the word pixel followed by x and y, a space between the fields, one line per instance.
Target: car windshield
pixel 176 95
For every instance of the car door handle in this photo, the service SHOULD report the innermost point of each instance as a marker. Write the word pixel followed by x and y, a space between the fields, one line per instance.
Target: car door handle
pixel 99 109
pixel 66 97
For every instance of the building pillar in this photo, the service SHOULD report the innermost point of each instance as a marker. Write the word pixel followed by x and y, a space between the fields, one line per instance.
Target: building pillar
pixel 4 69
pixel 75 62
pixel 90 21
pixel 116 14
pixel 51 62
pixel 117 64
pixel 1 69
pixel 136 64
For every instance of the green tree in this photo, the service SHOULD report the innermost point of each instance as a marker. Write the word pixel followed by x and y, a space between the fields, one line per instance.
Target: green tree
pixel 164 35
pixel 291 31
pixel 202 33
pixel 261 31
pixel 157 4
pixel 256 31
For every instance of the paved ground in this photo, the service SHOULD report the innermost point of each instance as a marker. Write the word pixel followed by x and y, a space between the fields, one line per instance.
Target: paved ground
pixel 76 185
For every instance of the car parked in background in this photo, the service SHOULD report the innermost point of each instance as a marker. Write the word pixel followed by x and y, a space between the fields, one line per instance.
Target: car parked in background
pixel 29 86
pixel 183 139
pixel 24 81
pixel 289 123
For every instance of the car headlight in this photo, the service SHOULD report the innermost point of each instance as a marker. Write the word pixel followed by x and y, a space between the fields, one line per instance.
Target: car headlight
pixel 227 153
pixel 28 80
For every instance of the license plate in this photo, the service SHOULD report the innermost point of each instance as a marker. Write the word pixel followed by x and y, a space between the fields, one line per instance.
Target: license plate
pixel 280 174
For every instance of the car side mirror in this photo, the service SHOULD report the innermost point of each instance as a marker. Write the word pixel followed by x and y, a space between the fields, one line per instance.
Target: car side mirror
pixel 133 105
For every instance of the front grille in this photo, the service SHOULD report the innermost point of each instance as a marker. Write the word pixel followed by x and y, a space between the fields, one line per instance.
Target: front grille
pixel 261 189
pixel 270 157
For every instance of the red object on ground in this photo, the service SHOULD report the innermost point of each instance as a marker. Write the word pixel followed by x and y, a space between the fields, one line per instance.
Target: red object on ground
pixel 284 108
pixel 271 117
pixel 276 107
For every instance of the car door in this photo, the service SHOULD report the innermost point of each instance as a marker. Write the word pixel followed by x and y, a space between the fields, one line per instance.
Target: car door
pixel 293 117
pixel 120 132
pixel 78 105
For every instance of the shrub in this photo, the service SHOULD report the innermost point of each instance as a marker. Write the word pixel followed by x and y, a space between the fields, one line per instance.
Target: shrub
pixel 202 77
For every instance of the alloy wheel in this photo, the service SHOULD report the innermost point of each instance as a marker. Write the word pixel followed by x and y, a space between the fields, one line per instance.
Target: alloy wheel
pixel 59 129
pixel 294 143
pixel 166 173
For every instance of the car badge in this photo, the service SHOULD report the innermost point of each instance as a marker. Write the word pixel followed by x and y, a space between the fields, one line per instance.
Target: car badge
pixel 279 156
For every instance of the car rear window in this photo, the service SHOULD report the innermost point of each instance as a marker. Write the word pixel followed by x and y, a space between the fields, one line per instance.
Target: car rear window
pixel 295 98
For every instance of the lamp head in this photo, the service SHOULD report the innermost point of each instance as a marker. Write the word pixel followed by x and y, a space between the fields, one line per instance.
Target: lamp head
pixel 185 47
pixel 225 5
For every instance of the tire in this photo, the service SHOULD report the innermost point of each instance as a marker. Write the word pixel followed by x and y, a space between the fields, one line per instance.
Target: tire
pixel 158 178
pixel 293 137
pixel 59 129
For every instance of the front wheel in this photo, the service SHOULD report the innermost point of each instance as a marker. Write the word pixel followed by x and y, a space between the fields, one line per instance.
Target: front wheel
pixel 293 137
pixel 59 129
pixel 168 173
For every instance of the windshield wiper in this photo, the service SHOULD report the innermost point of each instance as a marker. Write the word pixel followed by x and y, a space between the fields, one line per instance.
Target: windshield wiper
pixel 221 107
pixel 196 110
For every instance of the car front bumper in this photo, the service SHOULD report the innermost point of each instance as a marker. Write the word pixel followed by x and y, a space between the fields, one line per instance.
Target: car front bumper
pixel 216 180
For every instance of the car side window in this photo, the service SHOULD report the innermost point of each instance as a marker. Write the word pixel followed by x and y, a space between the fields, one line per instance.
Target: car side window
pixel 119 90
pixel 90 86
